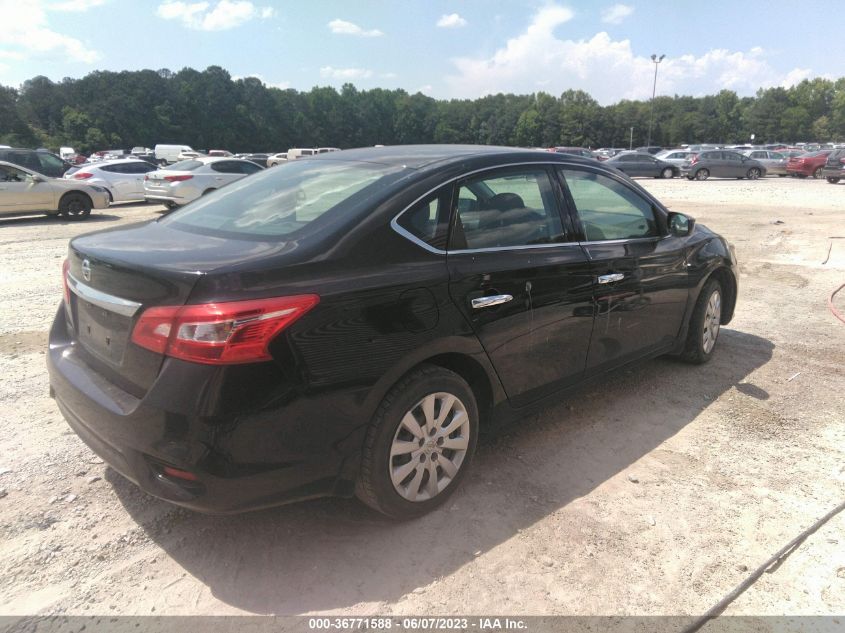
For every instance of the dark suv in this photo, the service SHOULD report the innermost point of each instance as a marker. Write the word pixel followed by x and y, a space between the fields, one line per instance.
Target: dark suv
pixel 40 161
pixel 834 167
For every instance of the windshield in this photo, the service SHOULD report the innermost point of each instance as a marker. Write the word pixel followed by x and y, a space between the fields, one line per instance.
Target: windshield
pixel 279 202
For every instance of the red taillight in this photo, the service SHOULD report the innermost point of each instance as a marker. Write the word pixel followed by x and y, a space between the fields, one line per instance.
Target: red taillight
pixel 82 175
pixel 178 178
pixel 178 474
pixel 219 333
pixel 65 271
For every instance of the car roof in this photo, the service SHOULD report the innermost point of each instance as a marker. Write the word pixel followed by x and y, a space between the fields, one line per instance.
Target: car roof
pixel 115 161
pixel 422 156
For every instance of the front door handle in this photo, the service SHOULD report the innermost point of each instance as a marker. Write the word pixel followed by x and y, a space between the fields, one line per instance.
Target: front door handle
pixel 493 300
pixel 607 279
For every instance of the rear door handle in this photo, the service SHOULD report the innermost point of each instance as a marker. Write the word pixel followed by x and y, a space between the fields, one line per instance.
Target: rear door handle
pixel 607 279
pixel 493 300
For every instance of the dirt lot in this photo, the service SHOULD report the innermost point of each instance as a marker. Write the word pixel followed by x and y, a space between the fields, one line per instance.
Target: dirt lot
pixel 654 493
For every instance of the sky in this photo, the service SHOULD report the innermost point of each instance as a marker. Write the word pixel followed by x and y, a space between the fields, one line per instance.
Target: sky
pixel 443 48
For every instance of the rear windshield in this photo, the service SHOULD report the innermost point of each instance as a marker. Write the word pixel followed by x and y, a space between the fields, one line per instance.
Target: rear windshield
pixel 185 165
pixel 283 200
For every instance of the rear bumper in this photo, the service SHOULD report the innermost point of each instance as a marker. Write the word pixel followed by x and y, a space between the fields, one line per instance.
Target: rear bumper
pixel 242 460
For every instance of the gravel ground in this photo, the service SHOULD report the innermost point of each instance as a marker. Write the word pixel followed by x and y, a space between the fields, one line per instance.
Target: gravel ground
pixel 654 493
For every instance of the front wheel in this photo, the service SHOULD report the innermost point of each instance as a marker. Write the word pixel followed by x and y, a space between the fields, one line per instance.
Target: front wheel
pixel 704 324
pixel 753 173
pixel 702 174
pixel 419 444
pixel 75 206
pixel 668 173
pixel 832 180
pixel 817 173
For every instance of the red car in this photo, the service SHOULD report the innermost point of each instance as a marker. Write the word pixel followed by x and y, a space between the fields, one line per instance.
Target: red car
pixel 810 164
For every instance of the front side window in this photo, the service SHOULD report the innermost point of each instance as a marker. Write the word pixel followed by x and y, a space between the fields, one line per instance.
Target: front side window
pixel 10 174
pixel 516 208
pixel 608 209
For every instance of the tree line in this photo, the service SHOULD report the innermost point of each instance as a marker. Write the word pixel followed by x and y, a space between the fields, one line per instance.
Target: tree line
pixel 209 109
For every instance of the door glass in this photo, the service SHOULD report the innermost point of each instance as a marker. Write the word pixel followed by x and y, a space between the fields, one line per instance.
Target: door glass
pixel 428 220
pixel 10 174
pixel 513 209
pixel 49 163
pixel 608 209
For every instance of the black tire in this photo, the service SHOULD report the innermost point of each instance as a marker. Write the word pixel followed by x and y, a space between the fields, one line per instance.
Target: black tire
pixel 817 173
pixel 832 180
pixel 695 350
pixel 782 175
pixel 702 174
pixel 753 174
pixel 375 486
pixel 668 172
pixel 75 206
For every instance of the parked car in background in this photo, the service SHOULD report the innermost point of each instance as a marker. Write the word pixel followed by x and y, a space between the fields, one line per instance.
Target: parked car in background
pixel 323 150
pixel 651 149
pixel 169 154
pixel 834 167
pixel 603 153
pixel 575 151
pixel 188 154
pixel 675 156
pixel 185 181
pixel 791 153
pixel 809 164
pixel 241 328
pixel 218 152
pixel 259 158
pixel 37 161
pixel 67 153
pixel 23 191
pixel 277 159
pixel 123 179
pixel 138 149
pixel 295 153
pixel 774 162
pixel 643 164
pixel 722 164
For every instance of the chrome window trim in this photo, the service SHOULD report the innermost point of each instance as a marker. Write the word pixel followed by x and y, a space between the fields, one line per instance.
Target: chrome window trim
pixel 394 223
pixel 121 306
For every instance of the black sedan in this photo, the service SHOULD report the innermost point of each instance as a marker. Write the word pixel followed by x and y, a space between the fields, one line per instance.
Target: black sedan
pixel 344 325
pixel 643 164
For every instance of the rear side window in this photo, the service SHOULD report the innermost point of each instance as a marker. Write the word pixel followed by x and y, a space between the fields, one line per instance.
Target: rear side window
pixel 609 210
pixel 428 220
pixel 185 165
pixel 517 208
pixel 49 163
pixel 226 167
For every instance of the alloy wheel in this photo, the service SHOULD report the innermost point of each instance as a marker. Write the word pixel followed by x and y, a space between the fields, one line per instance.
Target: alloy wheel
pixel 429 446
pixel 712 319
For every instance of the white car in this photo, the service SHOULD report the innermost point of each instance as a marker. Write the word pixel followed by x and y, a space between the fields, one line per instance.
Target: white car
pixel 187 154
pixel 23 191
pixel 123 179
pixel 277 159
pixel 187 180
pixel 675 156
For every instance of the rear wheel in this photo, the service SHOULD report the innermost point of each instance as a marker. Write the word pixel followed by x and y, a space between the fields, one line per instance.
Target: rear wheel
pixel 753 173
pixel 817 173
pixel 702 174
pixel 668 173
pixel 419 444
pixel 75 206
pixel 832 180
pixel 704 324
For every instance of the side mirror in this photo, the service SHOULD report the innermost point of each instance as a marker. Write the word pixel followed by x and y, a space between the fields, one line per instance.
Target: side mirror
pixel 34 178
pixel 680 225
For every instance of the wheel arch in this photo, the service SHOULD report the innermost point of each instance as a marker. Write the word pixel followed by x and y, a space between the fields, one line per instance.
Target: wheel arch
pixel 727 281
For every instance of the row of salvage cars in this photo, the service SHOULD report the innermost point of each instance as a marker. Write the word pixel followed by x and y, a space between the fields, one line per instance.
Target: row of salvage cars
pixel 97 185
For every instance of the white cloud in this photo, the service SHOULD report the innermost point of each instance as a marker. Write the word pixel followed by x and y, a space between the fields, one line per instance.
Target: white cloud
pixel 76 5
pixel 342 27
pixel 451 21
pixel 607 69
pixel 616 13
pixel 26 33
pixel 328 72
pixel 202 16
pixel 426 89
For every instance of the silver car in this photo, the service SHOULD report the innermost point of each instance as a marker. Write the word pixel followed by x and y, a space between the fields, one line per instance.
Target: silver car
pixel 187 180
pixel 774 162
pixel 23 191
pixel 675 156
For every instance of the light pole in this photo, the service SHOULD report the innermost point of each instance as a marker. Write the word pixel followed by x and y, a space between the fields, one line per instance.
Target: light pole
pixel 656 61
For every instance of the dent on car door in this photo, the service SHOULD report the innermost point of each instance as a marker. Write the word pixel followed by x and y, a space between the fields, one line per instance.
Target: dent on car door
pixel 639 271
pixel 524 288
